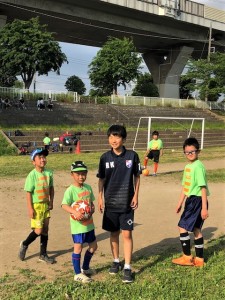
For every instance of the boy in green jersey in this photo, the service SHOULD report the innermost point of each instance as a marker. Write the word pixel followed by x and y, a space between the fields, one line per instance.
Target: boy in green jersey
pixel 47 141
pixel 154 151
pixel 40 194
pixel 195 192
pixel 78 202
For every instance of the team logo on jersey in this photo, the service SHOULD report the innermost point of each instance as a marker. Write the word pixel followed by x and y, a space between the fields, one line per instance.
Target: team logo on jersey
pixel 128 164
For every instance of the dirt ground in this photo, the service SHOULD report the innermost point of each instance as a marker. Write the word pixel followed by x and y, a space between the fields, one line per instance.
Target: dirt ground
pixel 155 221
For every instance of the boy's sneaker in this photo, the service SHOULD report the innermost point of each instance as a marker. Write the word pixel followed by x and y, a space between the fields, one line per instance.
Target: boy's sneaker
pixel 22 251
pixel 185 260
pixel 82 278
pixel 46 259
pixel 115 268
pixel 88 272
pixel 127 276
pixel 198 262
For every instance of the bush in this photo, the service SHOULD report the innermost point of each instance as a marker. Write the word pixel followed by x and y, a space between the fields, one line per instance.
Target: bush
pixel 6 148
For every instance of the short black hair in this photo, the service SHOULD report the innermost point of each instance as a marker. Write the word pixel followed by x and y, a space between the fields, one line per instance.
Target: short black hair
pixel 118 130
pixel 191 141
pixel 155 133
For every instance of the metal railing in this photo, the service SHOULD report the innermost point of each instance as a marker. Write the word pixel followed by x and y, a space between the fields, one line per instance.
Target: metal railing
pixel 156 101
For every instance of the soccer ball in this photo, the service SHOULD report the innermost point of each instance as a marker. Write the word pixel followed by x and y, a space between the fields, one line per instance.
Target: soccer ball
pixel 83 207
pixel 145 172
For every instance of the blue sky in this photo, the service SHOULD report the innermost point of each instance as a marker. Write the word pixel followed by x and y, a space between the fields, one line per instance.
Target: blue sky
pixel 80 57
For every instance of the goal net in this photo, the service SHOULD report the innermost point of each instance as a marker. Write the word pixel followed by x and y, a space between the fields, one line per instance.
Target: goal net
pixel 172 130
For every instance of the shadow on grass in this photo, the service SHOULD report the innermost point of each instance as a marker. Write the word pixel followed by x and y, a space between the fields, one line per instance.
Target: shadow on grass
pixel 167 248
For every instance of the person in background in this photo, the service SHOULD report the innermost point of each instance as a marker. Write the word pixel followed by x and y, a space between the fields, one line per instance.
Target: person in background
pixel 154 151
pixel 47 141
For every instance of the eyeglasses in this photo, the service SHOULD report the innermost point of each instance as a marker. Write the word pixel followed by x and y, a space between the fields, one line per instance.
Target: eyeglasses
pixel 191 152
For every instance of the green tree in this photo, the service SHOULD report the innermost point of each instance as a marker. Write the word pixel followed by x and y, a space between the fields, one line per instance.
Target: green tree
pixel 6 79
pixel 208 76
pixel 117 63
pixel 145 86
pixel 26 48
pixel 185 87
pixel 75 84
pixel 18 84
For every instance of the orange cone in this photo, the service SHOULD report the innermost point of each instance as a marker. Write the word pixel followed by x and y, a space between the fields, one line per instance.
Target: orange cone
pixel 78 148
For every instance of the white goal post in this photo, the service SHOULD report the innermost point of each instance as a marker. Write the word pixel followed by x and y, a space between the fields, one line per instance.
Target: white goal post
pixel 149 119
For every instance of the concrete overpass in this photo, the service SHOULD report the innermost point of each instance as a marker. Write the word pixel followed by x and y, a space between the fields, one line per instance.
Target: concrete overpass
pixel 166 32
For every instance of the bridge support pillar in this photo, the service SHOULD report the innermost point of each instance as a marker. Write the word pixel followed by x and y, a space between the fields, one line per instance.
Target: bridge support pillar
pixel 166 68
pixel 3 20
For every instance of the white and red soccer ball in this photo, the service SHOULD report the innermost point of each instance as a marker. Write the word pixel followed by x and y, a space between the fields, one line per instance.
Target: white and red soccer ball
pixel 83 207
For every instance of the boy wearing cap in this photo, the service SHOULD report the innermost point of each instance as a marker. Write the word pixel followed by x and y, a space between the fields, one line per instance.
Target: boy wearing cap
pixel 40 194
pixel 78 201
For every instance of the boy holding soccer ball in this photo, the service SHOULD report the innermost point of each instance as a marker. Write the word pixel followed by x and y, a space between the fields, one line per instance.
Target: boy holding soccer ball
pixel 78 202
pixel 194 193
pixel 119 179
pixel 40 194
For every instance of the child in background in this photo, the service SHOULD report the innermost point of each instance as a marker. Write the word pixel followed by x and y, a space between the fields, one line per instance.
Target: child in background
pixel 47 141
pixel 154 151
pixel 195 192
pixel 82 227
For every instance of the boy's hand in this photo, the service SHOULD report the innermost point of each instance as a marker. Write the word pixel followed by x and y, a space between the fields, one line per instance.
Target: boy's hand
pixel 50 206
pixel 204 214
pixel 31 213
pixel 78 215
pixel 100 205
pixel 178 208
pixel 134 203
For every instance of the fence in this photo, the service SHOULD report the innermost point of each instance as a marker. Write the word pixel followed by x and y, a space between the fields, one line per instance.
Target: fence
pixel 155 101
pixel 13 93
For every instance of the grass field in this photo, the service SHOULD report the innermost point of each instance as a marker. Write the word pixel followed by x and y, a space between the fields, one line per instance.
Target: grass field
pixel 16 166
pixel 155 277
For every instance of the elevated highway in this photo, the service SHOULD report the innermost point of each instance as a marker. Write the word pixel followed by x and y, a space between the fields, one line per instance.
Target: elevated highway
pixel 166 32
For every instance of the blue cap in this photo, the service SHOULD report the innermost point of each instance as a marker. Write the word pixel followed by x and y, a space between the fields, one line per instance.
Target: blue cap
pixel 39 151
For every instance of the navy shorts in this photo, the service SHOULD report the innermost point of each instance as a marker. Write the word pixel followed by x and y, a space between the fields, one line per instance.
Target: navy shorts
pixel 191 216
pixel 81 238
pixel 114 221
pixel 154 154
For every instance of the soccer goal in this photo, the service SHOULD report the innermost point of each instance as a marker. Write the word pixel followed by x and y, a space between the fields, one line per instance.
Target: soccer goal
pixel 173 131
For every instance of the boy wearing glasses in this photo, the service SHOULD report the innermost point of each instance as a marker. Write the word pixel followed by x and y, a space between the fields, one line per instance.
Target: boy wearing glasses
pixel 195 192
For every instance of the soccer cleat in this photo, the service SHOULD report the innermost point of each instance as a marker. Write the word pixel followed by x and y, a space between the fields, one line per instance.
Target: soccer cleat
pixel 88 272
pixel 127 276
pixel 46 259
pixel 198 262
pixel 82 278
pixel 22 251
pixel 115 268
pixel 185 260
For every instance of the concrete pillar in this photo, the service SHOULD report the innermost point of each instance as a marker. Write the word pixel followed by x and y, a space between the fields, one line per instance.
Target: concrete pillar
pixel 3 20
pixel 166 68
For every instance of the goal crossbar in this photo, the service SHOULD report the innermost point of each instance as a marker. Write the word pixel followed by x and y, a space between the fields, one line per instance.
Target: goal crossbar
pixel 171 118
